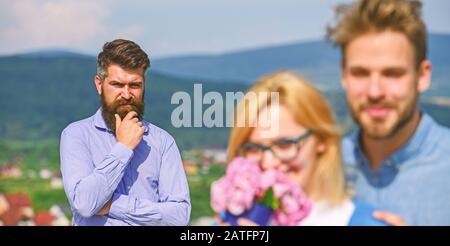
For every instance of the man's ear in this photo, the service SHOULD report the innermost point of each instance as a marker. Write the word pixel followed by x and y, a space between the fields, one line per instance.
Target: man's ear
pixel 98 84
pixel 424 76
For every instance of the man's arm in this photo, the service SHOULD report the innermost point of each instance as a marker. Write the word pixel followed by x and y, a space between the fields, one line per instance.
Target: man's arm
pixel 173 207
pixel 105 209
pixel 88 188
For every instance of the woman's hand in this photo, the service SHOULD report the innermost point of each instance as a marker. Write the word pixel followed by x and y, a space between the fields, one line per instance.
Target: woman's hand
pixel 219 221
pixel 240 221
pixel 246 222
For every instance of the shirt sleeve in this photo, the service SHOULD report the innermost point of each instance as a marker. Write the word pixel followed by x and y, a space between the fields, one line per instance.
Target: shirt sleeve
pixel 173 207
pixel 88 186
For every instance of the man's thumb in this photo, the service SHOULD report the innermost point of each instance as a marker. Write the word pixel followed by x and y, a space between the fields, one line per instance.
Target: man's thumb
pixel 118 121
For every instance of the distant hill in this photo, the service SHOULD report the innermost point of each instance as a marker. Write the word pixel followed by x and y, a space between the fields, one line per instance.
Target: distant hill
pixel 41 95
pixel 42 92
pixel 52 54
pixel 318 61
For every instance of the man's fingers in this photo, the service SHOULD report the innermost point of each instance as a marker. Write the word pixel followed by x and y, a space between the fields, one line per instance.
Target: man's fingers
pixel 130 115
pixel 105 209
pixel 141 125
pixel 389 218
pixel 118 121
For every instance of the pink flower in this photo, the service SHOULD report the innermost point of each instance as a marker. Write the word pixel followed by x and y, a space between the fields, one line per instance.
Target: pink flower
pixel 294 206
pixel 240 201
pixel 268 179
pixel 219 195
pixel 244 184
pixel 236 191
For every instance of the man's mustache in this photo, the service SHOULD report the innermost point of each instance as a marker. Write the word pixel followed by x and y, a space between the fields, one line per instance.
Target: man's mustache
pixel 121 102
pixel 384 104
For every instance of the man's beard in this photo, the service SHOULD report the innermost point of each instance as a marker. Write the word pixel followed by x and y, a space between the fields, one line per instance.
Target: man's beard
pixel 116 107
pixel 371 130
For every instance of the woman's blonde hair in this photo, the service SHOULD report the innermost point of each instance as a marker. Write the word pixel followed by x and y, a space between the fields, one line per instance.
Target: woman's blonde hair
pixel 310 109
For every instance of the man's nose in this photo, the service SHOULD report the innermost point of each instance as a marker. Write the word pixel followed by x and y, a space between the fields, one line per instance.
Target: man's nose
pixel 375 88
pixel 126 94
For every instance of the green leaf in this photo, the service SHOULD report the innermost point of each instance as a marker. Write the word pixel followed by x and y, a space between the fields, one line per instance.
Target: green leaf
pixel 269 199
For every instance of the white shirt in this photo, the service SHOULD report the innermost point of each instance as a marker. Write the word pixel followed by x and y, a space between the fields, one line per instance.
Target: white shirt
pixel 324 214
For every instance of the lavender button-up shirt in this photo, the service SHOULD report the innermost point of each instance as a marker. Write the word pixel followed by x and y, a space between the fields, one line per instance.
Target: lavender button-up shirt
pixel 148 185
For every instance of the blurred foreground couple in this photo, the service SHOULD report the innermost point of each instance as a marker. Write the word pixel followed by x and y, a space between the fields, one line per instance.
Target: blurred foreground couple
pixel 121 170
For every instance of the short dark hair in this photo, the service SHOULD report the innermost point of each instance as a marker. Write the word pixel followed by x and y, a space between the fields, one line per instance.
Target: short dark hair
pixel 124 53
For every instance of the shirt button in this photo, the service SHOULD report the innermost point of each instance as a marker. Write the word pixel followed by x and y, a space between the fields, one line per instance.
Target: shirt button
pixel 389 163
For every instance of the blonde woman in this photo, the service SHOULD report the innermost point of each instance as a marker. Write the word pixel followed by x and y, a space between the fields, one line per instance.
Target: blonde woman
pixel 303 142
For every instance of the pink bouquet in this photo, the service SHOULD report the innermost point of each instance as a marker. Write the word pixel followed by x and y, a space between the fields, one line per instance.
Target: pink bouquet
pixel 246 190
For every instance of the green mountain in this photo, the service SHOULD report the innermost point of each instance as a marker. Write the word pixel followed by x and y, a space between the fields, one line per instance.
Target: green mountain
pixel 41 95
pixel 318 61
pixel 42 92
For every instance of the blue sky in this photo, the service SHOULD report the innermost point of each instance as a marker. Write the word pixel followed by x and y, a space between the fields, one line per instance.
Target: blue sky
pixel 169 28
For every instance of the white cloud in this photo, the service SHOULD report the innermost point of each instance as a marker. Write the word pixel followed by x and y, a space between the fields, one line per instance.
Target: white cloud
pixel 41 24
pixel 172 27
pixel 130 32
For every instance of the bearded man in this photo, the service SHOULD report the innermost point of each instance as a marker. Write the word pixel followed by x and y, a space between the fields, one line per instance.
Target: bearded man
pixel 117 168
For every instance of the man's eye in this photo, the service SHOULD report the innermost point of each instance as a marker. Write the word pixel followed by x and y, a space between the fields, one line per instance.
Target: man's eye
pixel 135 86
pixel 393 74
pixel 359 73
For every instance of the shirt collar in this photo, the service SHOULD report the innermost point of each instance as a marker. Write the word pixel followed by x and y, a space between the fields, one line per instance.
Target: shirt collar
pixel 99 122
pixel 409 150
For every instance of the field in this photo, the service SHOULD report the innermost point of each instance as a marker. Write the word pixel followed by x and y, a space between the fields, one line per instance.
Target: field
pixel 32 157
pixel 42 195
pixel 199 186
